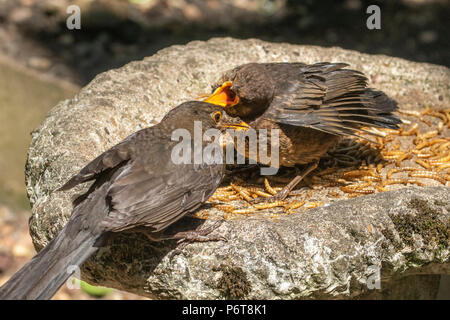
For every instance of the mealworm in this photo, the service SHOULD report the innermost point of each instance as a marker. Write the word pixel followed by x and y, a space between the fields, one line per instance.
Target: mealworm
pixel 427 122
pixel 241 192
pixel 358 188
pixel 439 147
pixel 314 204
pixel 227 188
pixel 295 204
pixel 357 173
pixel 444 146
pixel 394 153
pixel 428 134
pixel 268 187
pixel 444 158
pixel 429 143
pixel 391 172
pixel 411 131
pixel 334 194
pixel 424 164
pixel 411 112
pixel 379 167
pixel 381 188
pixel 353 191
pixel 269 205
pixel 401 158
pixel 353 195
pixel 343 181
pixel 415 181
pixel 428 175
pixel 395 157
pixel 424 154
pixel 447 115
pixel 262 194
pixel 225 199
pixel 381 142
pixel 224 193
pixel 370 178
pixel 392 131
pixel 443 166
pixel 244 211
pixel 439 115
pixel 226 208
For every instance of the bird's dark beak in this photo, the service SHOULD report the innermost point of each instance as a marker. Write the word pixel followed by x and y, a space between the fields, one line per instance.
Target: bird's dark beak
pixel 223 96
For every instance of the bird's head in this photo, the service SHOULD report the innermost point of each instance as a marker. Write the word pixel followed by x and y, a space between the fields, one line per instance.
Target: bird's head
pixel 210 116
pixel 245 91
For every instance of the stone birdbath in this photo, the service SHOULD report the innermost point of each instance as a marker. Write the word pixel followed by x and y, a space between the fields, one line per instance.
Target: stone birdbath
pixel 342 249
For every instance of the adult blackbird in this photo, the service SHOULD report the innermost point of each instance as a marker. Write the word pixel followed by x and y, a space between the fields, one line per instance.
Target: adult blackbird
pixel 135 185
pixel 312 106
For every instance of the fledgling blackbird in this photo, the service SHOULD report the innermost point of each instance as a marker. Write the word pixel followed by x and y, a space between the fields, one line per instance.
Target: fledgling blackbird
pixel 313 106
pixel 135 185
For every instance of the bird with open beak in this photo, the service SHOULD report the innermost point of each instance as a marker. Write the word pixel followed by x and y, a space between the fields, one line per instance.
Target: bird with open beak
pixel 312 106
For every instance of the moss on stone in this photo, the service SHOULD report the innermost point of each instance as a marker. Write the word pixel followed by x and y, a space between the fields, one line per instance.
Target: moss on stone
pixel 359 236
pixel 389 235
pixel 425 222
pixel 233 283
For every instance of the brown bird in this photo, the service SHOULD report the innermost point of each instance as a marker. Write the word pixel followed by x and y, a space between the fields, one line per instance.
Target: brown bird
pixel 135 185
pixel 313 106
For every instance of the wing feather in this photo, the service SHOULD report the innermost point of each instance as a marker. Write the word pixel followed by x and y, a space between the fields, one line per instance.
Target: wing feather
pixel 328 98
pixel 157 199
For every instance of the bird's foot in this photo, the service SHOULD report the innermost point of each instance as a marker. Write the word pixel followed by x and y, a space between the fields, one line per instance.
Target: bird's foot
pixel 279 196
pixel 197 235
pixel 201 235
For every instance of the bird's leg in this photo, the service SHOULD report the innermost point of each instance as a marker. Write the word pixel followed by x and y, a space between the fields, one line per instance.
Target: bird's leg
pixel 282 194
pixel 197 235
pixel 200 235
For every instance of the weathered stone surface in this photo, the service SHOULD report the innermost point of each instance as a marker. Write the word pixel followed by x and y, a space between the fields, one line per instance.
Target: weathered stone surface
pixel 323 252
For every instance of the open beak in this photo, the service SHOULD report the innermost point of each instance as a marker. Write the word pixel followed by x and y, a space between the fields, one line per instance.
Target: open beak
pixel 223 96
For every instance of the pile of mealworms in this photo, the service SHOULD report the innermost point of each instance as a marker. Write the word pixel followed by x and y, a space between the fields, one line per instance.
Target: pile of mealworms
pixel 416 154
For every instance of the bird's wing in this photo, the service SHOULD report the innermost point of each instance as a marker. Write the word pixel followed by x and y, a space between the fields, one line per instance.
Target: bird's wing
pixel 107 160
pixel 326 97
pixel 145 195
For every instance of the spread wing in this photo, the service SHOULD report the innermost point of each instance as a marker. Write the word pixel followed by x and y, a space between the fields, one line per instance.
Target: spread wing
pixel 326 97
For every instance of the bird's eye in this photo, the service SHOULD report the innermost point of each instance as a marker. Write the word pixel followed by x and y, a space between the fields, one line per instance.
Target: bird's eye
pixel 217 116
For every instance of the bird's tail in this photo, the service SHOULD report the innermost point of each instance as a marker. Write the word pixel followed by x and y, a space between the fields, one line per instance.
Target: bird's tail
pixel 41 277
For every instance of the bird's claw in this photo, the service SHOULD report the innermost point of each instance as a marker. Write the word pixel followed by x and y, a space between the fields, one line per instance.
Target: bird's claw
pixel 198 235
pixel 280 196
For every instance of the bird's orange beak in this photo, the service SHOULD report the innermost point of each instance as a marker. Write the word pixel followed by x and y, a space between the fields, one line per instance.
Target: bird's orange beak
pixel 223 96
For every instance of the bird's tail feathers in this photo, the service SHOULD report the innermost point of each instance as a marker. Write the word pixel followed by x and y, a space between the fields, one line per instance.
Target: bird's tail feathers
pixel 43 275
